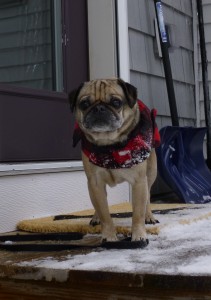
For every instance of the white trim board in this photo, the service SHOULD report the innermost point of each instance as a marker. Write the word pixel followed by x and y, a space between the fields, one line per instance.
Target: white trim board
pixel 39 168
pixel 102 39
pixel 123 40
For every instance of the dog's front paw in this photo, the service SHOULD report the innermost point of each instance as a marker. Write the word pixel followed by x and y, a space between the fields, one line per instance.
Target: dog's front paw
pixel 109 234
pixel 142 241
pixel 149 219
pixel 138 238
pixel 139 234
pixel 109 238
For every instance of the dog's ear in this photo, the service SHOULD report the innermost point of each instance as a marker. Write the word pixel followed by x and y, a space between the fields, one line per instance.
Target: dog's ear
pixel 73 97
pixel 130 92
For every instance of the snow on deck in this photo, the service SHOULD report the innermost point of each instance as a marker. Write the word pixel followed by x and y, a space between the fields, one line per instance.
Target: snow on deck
pixel 182 247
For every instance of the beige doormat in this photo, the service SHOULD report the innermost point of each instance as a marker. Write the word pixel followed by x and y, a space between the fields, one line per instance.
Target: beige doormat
pixel 79 221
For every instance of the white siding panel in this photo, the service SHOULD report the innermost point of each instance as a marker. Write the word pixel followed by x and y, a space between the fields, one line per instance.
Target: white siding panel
pixel 188 67
pixel 183 6
pixel 178 72
pixel 206 2
pixel 134 20
pixel 172 3
pixel 39 195
pixel 138 51
pixel 152 91
pixel 207 13
pixel 186 7
pixel 139 12
pixel 208 69
pixel 208 49
pixel 207 33
pixel 184 94
pixel 143 58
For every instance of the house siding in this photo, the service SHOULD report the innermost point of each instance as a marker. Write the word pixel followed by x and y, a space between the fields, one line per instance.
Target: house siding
pixel 146 67
pixel 207 30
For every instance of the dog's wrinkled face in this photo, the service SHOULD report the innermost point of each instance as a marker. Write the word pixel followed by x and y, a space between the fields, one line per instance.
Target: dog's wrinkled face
pixel 100 106
pixel 103 106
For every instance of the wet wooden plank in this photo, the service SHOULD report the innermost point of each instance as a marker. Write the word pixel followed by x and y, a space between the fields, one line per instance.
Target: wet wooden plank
pixel 96 290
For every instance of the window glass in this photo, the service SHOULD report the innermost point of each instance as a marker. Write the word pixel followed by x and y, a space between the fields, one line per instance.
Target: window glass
pixel 30 48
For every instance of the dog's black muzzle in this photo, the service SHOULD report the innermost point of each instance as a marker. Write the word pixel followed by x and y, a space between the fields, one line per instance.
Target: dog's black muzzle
pixel 101 118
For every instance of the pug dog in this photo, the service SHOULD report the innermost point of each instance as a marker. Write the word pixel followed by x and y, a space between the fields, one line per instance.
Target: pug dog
pixel 118 135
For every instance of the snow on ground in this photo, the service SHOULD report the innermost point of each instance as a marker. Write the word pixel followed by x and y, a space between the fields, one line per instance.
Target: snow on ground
pixel 180 248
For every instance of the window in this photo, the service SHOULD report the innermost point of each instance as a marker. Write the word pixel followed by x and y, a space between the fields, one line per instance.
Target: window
pixel 31 44
pixel 43 56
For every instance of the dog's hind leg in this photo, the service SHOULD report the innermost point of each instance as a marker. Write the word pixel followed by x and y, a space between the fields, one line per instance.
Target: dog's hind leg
pixel 95 220
pixel 139 188
pixel 151 176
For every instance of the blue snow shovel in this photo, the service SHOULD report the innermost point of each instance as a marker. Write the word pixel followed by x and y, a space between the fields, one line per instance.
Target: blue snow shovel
pixel 180 157
pixel 181 163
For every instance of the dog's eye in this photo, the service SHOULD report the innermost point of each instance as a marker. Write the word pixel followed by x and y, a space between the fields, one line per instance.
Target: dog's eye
pixel 84 104
pixel 115 102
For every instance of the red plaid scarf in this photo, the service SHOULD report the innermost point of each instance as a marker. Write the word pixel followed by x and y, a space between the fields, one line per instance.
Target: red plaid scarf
pixel 134 150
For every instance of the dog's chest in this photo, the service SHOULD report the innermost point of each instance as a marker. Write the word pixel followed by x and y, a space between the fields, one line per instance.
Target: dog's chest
pixel 131 175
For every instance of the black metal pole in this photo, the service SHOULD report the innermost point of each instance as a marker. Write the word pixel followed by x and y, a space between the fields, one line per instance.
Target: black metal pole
pixel 166 63
pixel 205 81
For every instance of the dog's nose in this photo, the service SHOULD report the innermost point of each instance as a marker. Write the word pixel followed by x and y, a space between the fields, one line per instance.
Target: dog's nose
pixel 99 108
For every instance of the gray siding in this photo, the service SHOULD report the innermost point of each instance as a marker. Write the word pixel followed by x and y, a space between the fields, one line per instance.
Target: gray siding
pixel 146 68
pixel 207 28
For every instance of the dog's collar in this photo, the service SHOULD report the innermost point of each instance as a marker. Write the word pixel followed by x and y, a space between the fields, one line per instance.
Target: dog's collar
pixel 134 150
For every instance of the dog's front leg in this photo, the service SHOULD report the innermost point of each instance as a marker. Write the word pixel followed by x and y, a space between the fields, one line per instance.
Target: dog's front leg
pixel 98 197
pixel 139 202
